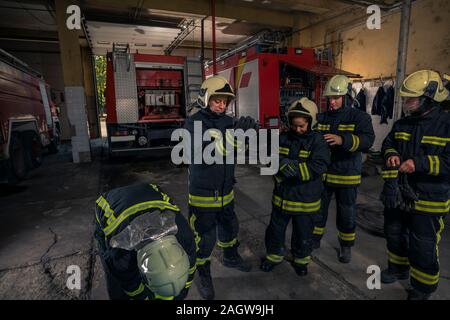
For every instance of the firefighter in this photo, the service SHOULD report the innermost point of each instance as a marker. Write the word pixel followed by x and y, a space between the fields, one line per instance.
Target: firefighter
pixel 211 196
pixel 348 132
pixel 416 191
pixel 145 244
pixel 304 157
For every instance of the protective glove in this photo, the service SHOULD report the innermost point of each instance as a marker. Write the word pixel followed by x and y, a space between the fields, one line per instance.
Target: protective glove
pixel 245 123
pixel 288 168
pixel 391 196
pixel 409 196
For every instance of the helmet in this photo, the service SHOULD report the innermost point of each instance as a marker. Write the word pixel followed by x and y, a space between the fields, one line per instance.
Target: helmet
pixel 165 266
pixel 303 107
pixel 426 83
pixel 215 85
pixel 338 85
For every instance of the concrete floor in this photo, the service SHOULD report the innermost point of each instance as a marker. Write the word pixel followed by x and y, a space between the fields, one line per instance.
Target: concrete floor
pixel 47 224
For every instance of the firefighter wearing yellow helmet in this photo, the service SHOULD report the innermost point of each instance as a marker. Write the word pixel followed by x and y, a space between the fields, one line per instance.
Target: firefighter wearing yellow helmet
pixel 416 191
pixel 304 156
pixel 348 132
pixel 211 196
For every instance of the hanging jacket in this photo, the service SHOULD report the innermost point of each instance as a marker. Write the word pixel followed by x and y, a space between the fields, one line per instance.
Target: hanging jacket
pixel 377 103
pixel 302 193
pixel 426 140
pixel 387 105
pixel 361 98
pixel 114 212
pixel 210 185
pixel 355 128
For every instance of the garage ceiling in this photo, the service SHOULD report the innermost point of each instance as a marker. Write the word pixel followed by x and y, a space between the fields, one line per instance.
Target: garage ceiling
pixel 147 27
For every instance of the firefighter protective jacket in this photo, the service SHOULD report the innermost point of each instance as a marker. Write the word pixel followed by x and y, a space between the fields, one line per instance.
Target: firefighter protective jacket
pixel 425 140
pixel 302 193
pixel 210 185
pixel 114 211
pixel 355 128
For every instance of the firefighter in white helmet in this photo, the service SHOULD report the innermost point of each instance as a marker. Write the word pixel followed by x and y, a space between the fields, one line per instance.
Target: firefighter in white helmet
pixel 304 157
pixel 211 196
pixel 416 191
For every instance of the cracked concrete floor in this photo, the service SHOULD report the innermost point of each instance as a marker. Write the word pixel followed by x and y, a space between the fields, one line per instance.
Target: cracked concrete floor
pixel 47 225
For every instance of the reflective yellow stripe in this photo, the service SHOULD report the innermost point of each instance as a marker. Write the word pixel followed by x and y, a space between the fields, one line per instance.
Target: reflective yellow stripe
pixel 161 205
pixel 438 236
pixel 389 174
pixel 304 154
pixel 104 205
pixel 192 270
pixel 319 231
pixel 197 237
pixel 432 206
pixel 402 136
pixel 355 143
pixel 390 150
pixel 274 258
pixel 304 171
pixel 284 151
pixel 347 236
pixel 157 296
pixel 134 293
pixel 295 206
pixel 188 284
pixel 323 127
pixel 211 202
pixel 226 244
pixel 338 179
pixel 346 127
pixel 202 261
pixel 429 279
pixel 303 261
pixel 231 139
pixel 397 259
pixel 434 165
pixel 438 141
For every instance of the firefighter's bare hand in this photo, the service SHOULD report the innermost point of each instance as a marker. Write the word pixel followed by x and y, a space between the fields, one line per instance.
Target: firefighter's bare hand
pixel 393 161
pixel 333 139
pixel 408 166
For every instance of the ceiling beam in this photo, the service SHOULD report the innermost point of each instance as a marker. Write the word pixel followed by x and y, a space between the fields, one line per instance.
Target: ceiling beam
pixel 201 8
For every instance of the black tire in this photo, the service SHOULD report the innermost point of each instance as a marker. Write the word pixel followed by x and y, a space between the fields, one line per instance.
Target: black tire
pixel 17 158
pixel 32 148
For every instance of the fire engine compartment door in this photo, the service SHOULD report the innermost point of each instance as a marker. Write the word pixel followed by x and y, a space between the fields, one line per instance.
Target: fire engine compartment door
pixel 247 89
pixel 48 114
pixel 126 89
pixel 192 79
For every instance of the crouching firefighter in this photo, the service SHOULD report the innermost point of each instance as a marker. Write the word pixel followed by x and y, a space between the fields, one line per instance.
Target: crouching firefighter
pixel 348 132
pixel 145 244
pixel 416 191
pixel 211 196
pixel 304 157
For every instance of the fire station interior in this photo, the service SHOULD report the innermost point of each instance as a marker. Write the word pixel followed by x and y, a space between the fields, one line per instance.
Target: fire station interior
pixel 121 76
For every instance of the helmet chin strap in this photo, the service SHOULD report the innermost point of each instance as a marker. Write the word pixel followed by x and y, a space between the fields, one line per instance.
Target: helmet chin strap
pixel 425 105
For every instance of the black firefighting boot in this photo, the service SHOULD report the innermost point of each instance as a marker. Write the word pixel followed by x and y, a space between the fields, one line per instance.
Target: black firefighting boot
pixel 205 284
pixel 300 269
pixel 267 265
pixel 345 254
pixel 415 294
pixel 392 274
pixel 232 259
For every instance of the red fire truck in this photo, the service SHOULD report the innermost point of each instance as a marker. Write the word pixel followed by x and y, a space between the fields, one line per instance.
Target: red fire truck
pixel 267 79
pixel 147 98
pixel 28 119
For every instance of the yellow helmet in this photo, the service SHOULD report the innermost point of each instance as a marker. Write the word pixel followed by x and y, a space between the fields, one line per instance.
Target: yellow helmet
pixel 303 107
pixel 215 85
pixel 424 83
pixel 338 85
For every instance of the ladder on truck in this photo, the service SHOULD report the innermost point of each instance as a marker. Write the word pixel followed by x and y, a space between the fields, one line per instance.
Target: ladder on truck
pixel 125 86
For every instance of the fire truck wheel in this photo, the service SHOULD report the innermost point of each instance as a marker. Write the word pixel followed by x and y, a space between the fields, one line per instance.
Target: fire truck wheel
pixel 33 149
pixel 17 158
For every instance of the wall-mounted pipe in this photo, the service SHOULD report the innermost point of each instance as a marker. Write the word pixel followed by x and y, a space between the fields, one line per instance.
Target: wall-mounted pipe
pixel 213 18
